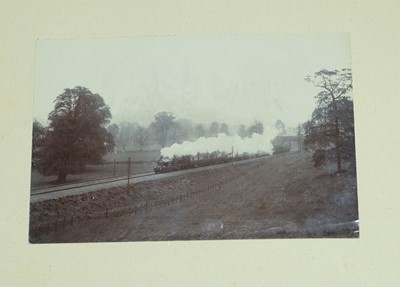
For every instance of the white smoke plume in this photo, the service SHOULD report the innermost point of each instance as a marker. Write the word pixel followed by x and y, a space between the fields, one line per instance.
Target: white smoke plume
pixel 222 143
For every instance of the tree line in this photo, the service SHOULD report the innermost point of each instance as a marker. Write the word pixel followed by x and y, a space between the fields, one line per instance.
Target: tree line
pixel 166 130
pixel 79 133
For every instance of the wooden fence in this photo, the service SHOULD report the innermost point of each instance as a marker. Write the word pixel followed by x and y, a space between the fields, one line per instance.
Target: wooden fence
pixel 145 207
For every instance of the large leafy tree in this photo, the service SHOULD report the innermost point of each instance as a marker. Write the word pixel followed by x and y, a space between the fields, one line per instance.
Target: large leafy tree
pixel 213 129
pixel 181 130
pixel 126 134
pixel 141 137
pixel 113 129
pixel 161 126
pixel 331 128
pixel 224 129
pixel 242 131
pixel 199 131
pixel 280 126
pixel 76 135
pixel 255 128
pixel 38 132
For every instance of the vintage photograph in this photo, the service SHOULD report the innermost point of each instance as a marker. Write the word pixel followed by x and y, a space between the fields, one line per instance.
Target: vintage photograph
pixel 193 138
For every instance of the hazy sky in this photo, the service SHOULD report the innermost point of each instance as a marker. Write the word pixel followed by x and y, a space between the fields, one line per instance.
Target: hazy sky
pixel 232 79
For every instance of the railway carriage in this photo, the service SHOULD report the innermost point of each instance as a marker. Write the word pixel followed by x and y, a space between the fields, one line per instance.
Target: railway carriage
pixel 186 162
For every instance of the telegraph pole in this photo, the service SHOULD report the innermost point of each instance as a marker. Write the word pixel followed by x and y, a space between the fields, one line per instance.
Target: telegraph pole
pixel 129 170
pixel 232 155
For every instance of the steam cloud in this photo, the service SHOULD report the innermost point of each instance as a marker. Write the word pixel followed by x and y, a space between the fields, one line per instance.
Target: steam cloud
pixel 223 144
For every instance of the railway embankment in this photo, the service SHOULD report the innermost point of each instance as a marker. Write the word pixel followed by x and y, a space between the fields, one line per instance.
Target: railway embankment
pixel 275 197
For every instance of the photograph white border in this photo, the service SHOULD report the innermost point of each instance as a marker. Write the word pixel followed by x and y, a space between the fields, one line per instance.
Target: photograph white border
pixel 371 260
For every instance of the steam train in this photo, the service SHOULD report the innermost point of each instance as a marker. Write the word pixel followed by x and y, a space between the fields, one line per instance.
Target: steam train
pixel 186 162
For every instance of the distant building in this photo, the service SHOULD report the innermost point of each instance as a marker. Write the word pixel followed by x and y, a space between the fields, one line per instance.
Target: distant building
pixel 286 143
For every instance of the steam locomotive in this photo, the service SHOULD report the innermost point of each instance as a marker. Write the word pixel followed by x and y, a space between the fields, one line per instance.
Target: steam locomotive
pixel 185 162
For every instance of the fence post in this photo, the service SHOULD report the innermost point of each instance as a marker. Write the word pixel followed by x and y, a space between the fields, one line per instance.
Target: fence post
pixel 129 171
pixel 232 155
pixel 114 167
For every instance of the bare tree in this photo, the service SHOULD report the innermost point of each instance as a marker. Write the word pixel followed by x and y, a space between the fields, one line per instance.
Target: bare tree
pixel 335 87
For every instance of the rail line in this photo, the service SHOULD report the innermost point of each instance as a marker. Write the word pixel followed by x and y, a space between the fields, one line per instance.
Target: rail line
pixel 36 193
pixel 51 189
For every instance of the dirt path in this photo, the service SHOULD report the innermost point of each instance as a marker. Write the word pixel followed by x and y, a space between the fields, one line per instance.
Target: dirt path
pixel 277 197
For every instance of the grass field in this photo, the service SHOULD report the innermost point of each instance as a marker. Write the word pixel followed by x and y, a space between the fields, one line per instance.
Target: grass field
pixel 277 197
pixel 136 156
pixel 141 161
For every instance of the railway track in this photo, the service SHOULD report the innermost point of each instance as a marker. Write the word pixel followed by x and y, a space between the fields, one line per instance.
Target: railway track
pixel 54 192
pixel 102 181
